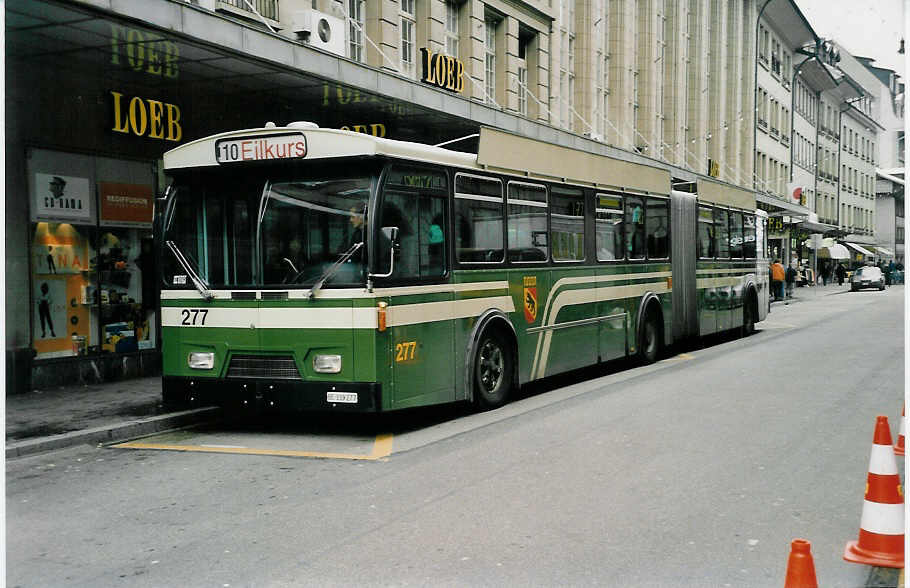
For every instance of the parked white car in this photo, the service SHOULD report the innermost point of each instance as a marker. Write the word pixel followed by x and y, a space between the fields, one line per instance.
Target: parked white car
pixel 869 276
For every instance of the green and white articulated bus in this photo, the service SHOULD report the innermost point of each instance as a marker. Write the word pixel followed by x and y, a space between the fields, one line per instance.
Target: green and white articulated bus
pixel 316 269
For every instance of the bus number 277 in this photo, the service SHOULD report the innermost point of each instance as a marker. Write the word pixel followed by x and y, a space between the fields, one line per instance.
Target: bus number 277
pixel 405 351
pixel 193 317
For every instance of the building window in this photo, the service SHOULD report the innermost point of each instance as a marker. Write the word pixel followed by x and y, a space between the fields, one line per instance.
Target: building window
pixel 489 50
pixel 407 25
pixel 567 62
pixel 523 88
pixel 775 57
pixel 763 45
pixel 355 28
pixel 452 28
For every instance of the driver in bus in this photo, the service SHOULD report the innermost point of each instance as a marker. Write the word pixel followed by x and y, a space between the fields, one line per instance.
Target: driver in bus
pixel 357 220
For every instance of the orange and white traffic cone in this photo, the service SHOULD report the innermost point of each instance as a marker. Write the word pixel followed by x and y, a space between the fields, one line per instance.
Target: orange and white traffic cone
pixel 800 567
pixel 899 446
pixel 881 530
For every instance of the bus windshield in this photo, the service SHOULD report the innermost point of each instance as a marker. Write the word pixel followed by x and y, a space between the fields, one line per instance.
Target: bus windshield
pixel 256 230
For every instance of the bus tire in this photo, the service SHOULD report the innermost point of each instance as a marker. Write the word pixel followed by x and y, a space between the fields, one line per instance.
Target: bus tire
pixel 649 340
pixel 749 315
pixel 492 370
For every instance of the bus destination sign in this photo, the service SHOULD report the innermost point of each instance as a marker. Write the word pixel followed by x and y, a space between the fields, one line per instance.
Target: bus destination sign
pixel 260 148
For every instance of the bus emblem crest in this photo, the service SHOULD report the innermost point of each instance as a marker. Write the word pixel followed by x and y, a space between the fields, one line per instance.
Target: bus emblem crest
pixel 530 304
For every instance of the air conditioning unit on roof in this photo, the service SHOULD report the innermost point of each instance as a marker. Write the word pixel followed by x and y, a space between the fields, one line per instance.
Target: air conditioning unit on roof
pixel 319 30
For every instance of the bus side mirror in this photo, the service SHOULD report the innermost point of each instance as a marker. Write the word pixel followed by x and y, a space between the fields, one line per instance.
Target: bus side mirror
pixel 387 248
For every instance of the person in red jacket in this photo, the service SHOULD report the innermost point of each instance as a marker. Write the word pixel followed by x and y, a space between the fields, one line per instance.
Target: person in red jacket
pixel 778 275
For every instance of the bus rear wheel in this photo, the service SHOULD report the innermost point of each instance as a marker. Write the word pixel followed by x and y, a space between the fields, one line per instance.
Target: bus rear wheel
pixel 748 317
pixel 649 342
pixel 492 371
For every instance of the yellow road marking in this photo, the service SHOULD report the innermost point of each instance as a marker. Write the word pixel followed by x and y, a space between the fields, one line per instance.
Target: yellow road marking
pixel 681 357
pixel 382 448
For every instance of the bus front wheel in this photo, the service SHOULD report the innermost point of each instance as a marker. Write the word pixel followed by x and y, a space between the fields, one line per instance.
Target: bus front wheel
pixel 492 371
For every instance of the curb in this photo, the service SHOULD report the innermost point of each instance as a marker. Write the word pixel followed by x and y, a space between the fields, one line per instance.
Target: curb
pixel 115 432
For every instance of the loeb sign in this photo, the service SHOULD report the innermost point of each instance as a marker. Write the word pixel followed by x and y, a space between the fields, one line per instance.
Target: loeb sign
pixel 441 70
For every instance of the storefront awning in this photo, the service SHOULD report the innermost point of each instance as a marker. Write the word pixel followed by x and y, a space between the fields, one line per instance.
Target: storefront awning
pixel 781 204
pixel 859 248
pixel 816 227
pixel 835 251
pixel 885 251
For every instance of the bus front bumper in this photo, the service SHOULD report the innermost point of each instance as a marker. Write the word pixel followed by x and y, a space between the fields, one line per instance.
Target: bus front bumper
pixel 272 395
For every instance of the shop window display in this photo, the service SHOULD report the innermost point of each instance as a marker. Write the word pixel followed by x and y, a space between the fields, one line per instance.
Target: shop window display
pixel 124 316
pixel 92 261
pixel 63 289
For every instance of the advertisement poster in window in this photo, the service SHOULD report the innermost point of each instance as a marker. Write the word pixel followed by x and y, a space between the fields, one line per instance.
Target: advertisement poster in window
pixel 125 205
pixel 62 198
pixel 62 291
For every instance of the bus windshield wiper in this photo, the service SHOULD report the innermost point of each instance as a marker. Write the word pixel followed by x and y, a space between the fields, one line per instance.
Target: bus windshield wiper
pixel 200 285
pixel 334 268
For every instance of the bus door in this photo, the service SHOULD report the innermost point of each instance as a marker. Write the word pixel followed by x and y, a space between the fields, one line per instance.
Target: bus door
pixel 611 308
pixel 724 288
pixel 707 292
pixel 422 311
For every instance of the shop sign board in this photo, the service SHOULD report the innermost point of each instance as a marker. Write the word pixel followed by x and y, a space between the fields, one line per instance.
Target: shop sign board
pixel 144 117
pixel 443 71
pixel 125 205
pixel 60 198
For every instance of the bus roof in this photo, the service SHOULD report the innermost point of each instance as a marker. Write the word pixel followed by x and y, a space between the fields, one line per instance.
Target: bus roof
pixel 278 143
pixel 498 151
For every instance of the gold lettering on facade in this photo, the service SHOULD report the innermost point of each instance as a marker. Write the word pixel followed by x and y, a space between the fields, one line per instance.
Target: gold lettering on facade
pixel 442 71
pixel 146 118
pixel 375 129
pixel 143 52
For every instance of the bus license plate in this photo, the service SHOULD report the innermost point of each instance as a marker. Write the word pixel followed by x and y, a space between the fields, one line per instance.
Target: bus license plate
pixel 345 397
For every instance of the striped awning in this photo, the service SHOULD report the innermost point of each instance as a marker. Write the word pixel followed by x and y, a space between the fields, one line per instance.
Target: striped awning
pixel 859 248
pixel 884 251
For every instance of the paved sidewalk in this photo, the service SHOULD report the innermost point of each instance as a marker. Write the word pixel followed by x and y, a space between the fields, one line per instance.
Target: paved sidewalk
pixel 101 413
pixel 41 420
pixel 810 293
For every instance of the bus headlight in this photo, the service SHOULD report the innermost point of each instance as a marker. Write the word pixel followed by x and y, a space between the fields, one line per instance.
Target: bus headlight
pixel 201 360
pixel 327 364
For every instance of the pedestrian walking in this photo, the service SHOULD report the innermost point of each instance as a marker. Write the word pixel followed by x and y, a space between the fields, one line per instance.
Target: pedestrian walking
pixel 778 275
pixel 841 274
pixel 790 278
pixel 889 269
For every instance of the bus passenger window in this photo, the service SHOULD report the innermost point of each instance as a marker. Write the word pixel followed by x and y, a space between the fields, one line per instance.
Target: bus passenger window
pixel 527 228
pixel 722 234
pixel 658 225
pixel 567 223
pixel 749 236
pixel 736 235
pixel 634 222
pixel 414 201
pixel 478 219
pixel 608 227
pixel 705 242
